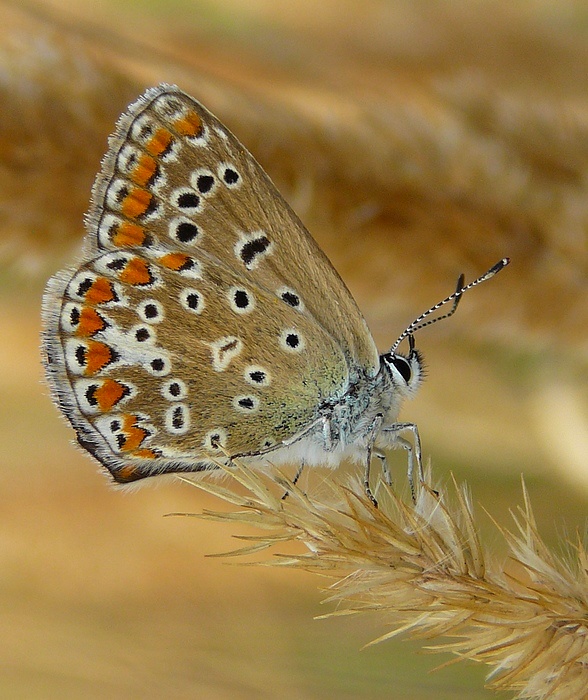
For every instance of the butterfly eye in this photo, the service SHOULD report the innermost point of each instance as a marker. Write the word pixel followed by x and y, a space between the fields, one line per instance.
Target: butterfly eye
pixel 401 364
pixel 403 367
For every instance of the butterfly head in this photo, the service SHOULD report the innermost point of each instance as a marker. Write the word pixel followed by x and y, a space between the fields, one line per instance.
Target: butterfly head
pixel 405 371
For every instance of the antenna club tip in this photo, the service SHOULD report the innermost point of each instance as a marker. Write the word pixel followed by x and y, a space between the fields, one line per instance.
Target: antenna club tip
pixel 499 266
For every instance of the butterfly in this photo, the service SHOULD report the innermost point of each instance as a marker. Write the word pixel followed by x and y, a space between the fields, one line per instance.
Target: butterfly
pixel 204 324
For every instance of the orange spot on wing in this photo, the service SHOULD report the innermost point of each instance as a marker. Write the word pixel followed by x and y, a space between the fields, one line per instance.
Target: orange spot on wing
pixel 136 202
pixel 127 473
pixel 129 234
pixel 174 261
pixel 145 453
pixel 90 322
pixel 144 170
pixel 136 272
pixel 98 355
pixel 100 292
pixel 189 125
pixel 159 142
pixel 133 435
pixel 109 393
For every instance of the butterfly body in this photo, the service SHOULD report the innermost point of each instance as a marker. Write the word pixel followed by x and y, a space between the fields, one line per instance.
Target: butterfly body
pixel 345 429
pixel 203 322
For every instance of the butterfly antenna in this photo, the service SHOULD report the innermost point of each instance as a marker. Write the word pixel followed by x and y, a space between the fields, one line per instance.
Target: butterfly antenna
pixel 420 321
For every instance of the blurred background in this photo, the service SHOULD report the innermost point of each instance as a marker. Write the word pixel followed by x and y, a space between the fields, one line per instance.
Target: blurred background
pixel 416 140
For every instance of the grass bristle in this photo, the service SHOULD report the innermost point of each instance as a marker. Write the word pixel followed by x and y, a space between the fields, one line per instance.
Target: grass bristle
pixel 425 571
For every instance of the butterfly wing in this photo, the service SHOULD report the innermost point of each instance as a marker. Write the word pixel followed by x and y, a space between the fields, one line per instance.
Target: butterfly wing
pixel 204 319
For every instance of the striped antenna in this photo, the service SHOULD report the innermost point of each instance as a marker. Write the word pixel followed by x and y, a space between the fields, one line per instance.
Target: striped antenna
pixel 420 322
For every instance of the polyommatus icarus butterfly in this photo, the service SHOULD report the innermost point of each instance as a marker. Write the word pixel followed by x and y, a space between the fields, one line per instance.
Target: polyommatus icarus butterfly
pixel 204 322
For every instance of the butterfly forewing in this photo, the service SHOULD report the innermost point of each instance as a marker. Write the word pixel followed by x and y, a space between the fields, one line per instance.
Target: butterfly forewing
pixel 205 320
pixel 240 209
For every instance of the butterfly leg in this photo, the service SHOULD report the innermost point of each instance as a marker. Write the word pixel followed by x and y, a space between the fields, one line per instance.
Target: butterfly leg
pixel 372 432
pixel 366 479
pixel 414 451
pixel 385 468
pixel 295 479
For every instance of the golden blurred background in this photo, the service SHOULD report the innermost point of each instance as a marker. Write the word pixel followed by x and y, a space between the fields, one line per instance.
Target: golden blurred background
pixel 416 140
